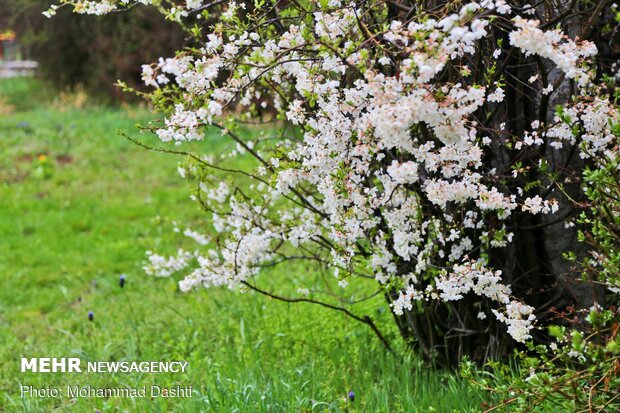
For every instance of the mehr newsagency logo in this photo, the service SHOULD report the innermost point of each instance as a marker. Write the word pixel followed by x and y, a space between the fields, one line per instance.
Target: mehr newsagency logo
pixel 74 365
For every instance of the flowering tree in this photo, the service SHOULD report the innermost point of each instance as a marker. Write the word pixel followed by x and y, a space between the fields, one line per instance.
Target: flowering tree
pixel 433 147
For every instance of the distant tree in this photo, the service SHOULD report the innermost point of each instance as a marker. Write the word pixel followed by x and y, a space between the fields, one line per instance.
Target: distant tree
pixel 91 52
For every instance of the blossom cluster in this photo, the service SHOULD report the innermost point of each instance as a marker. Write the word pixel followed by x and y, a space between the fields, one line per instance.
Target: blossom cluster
pixel 390 175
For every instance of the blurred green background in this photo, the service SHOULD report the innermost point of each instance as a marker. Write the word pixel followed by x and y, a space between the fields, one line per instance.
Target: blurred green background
pixel 89 52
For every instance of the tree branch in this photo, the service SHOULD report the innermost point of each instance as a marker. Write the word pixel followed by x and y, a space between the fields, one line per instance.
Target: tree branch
pixel 365 319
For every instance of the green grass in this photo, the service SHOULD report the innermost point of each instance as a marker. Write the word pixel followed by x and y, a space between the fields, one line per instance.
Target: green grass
pixel 80 205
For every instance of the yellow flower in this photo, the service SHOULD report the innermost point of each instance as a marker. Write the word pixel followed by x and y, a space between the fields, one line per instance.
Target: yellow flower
pixel 7 35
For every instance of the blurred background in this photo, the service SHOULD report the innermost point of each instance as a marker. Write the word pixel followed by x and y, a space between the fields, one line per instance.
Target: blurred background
pixel 88 52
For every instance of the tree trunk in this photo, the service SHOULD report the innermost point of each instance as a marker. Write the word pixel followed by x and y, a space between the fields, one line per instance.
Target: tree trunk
pixel 534 264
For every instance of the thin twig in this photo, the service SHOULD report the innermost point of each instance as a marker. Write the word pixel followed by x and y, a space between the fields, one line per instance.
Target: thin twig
pixel 365 319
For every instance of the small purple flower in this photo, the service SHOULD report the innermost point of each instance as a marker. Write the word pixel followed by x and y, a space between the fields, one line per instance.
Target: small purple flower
pixel 91 316
pixel 121 280
pixel 352 396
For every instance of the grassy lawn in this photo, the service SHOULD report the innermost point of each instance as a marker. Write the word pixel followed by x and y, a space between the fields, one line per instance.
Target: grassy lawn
pixel 79 206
